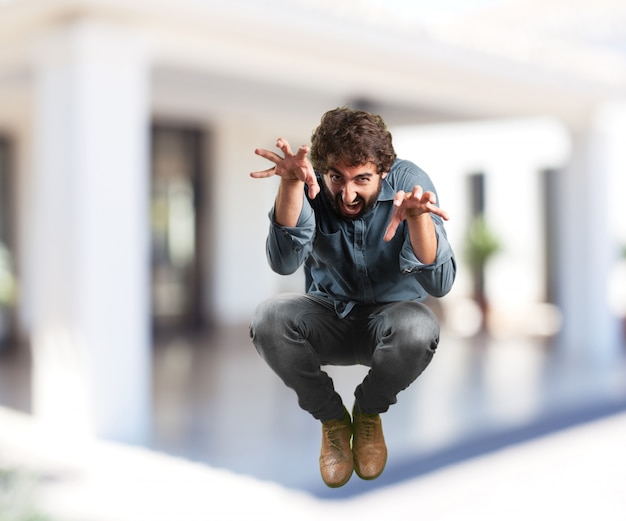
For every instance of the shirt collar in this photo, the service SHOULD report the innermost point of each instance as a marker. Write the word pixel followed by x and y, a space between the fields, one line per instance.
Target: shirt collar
pixel 387 193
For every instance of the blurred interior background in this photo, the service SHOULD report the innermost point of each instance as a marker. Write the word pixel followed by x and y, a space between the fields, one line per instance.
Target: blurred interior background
pixel 133 238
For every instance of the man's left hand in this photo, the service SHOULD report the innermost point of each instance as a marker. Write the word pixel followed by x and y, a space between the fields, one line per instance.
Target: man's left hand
pixel 411 205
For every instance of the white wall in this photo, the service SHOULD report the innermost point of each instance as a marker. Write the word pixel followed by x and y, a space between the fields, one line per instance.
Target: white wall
pixel 512 155
pixel 238 218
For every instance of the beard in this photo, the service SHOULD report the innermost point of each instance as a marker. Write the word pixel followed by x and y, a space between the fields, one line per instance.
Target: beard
pixel 343 211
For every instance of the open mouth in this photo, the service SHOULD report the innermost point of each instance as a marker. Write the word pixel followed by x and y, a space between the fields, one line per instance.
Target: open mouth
pixel 351 209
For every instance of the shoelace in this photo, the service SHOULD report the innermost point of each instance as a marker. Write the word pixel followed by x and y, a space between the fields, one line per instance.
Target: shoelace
pixel 333 434
pixel 367 428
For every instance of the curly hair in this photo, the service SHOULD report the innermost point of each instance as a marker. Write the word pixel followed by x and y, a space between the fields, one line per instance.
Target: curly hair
pixel 353 136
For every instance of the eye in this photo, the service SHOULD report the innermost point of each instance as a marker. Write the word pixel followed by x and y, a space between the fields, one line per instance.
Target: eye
pixel 335 178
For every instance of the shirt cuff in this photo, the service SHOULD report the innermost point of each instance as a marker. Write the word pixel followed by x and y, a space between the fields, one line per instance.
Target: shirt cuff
pixel 293 238
pixel 409 263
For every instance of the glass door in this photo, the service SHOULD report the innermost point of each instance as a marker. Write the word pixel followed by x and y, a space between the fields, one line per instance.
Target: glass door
pixel 8 284
pixel 175 223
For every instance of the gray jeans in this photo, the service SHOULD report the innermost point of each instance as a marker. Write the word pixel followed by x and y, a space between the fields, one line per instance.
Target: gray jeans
pixel 297 334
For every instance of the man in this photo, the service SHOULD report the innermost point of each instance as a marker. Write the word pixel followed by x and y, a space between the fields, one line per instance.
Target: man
pixel 373 247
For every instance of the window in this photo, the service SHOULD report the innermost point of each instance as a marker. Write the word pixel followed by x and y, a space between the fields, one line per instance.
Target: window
pixel 175 228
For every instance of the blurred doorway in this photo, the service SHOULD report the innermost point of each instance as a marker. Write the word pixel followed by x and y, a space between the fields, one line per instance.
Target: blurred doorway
pixel 176 207
pixel 8 284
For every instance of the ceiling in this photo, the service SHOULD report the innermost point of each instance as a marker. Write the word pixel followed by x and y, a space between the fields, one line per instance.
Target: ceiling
pixel 424 61
pixel 413 60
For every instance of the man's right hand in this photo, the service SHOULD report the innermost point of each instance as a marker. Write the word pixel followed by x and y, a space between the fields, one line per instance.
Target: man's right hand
pixel 291 167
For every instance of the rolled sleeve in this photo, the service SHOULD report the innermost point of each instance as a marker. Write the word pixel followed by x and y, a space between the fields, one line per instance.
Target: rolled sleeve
pixel 287 247
pixel 436 278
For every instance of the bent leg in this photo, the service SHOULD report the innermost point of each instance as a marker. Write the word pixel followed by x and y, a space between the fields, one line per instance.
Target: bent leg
pixel 407 334
pixel 279 331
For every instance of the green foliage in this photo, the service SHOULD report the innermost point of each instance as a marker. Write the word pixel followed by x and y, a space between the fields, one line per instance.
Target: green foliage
pixel 17 497
pixel 481 243
pixel 8 285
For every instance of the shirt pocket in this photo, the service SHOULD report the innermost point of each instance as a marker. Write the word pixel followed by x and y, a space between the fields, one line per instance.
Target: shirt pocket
pixel 331 248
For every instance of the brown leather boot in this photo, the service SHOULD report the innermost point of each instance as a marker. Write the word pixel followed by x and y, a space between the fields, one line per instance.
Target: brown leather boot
pixel 336 461
pixel 368 445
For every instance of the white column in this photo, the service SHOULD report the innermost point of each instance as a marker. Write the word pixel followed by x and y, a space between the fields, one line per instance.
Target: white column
pixel 586 243
pixel 91 337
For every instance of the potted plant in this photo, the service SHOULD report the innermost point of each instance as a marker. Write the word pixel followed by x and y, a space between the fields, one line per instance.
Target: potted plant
pixel 481 244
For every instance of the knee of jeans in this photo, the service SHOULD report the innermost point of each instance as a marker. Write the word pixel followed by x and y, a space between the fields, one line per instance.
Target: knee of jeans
pixel 415 327
pixel 269 318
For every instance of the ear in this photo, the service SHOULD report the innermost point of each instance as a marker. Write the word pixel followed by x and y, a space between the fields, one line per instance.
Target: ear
pixel 383 175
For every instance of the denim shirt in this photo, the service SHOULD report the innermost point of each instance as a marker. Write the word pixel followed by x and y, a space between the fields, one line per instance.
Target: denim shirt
pixel 347 262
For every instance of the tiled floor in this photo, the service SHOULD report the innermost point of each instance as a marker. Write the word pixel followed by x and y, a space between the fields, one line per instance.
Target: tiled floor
pixel 576 473
pixel 215 401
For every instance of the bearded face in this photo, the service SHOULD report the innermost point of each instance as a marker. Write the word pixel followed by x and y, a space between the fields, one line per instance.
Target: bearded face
pixel 352 190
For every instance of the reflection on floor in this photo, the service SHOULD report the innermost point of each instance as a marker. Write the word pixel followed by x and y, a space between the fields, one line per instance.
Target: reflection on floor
pixel 215 401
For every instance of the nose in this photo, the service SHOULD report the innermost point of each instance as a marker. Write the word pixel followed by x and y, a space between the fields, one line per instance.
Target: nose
pixel 348 195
